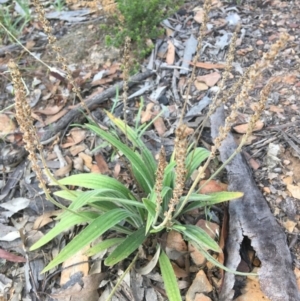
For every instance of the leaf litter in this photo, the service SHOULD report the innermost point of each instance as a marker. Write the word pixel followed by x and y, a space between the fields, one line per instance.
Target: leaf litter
pixel 172 66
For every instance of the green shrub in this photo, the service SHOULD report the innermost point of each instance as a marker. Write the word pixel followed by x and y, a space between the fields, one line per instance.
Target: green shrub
pixel 140 21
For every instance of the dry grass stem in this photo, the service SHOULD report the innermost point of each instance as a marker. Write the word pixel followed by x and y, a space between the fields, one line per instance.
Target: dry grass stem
pixel 216 101
pixel 202 31
pixel 180 148
pixel 25 121
pixel 264 93
pixel 162 163
pixel 255 117
pixel 126 59
pixel 247 82
pixel 30 137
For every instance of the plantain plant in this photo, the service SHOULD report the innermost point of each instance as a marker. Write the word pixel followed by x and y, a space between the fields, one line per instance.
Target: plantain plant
pixel 152 206
pixel 161 192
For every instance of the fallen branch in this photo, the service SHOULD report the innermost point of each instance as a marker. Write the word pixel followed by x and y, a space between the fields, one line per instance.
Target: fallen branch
pixel 91 103
pixel 251 216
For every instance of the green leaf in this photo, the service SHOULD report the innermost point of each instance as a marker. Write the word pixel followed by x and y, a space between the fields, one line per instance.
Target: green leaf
pixel 142 172
pixel 169 174
pixel 221 266
pixel 70 196
pixel 134 138
pixel 131 203
pixel 199 236
pixel 104 206
pixel 96 181
pixel 90 233
pixel 92 196
pixel 103 245
pixel 203 200
pixel 64 225
pixel 129 245
pixel 150 206
pixel 194 159
pixel 169 278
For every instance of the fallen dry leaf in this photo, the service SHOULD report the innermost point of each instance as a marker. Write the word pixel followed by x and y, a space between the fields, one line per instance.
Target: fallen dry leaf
pixel 87 160
pixel 76 149
pixel 171 53
pixel 199 15
pixel 169 32
pixel 45 219
pixel 289 225
pixel 76 263
pixel 276 109
pixel 63 171
pixel 200 86
pixel 38 118
pixel 212 229
pixel 206 65
pixel 7 125
pixel 222 240
pixel 55 117
pixel 30 44
pixel 78 163
pixel 242 128
pixel 95 169
pixel 297 273
pixel 197 257
pixel 117 170
pixel 176 242
pixel 179 272
pixel 101 163
pixel 244 51
pixel 287 180
pixel 160 126
pixel 290 79
pixel 294 190
pixel 76 136
pixel 147 115
pixel 11 257
pixel 200 285
pixel 49 110
pixel 114 68
pixel 212 186
pixel 209 79
pixel 254 164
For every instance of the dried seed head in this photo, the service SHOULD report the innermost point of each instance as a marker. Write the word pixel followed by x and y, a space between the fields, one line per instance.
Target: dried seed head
pixel 25 121
pixel 162 163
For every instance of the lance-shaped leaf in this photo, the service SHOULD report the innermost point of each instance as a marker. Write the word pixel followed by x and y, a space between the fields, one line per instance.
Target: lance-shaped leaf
pixel 203 200
pixel 64 225
pixel 199 236
pixel 143 175
pixel 169 278
pixel 90 233
pixel 125 248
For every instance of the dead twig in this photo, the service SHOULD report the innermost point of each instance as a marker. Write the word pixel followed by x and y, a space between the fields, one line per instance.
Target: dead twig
pixel 91 103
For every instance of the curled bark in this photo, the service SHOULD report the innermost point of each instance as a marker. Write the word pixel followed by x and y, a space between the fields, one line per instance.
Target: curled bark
pixel 251 216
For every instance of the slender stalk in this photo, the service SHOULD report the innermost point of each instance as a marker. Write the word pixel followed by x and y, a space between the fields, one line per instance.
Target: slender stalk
pixel 122 278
